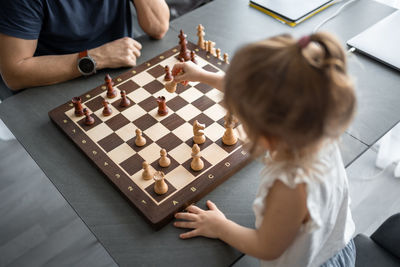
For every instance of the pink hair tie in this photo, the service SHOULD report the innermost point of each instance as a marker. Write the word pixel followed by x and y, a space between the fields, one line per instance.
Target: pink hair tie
pixel 304 41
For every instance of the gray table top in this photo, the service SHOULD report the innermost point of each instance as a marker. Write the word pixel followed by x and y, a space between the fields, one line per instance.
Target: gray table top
pixel 120 229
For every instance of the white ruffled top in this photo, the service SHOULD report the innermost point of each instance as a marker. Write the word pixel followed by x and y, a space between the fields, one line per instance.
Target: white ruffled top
pixel 331 225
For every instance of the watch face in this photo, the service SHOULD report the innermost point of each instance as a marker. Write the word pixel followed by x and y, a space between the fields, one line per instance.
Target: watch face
pixel 86 65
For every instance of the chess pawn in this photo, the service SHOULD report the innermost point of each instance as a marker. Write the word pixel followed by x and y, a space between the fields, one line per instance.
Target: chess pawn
pixel 164 160
pixel 162 106
pixel 170 86
pixel 218 51
pixel 125 102
pixel 211 48
pixel 168 75
pixel 140 140
pixel 89 119
pixel 226 58
pixel 147 174
pixel 197 164
pixel 160 186
pixel 111 92
pixel 193 57
pixel 198 133
pixel 77 101
pixel 106 110
pixel 229 138
pixel 207 46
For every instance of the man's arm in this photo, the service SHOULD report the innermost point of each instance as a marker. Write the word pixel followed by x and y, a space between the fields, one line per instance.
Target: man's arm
pixel 20 69
pixel 153 17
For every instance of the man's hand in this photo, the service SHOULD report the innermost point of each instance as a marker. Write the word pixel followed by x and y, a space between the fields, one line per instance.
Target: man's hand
pixel 119 53
pixel 206 223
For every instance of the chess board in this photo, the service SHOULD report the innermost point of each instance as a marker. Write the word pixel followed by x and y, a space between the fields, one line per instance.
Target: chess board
pixel 110 141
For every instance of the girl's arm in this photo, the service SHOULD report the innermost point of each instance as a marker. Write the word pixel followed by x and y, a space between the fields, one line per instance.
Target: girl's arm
pixel 285 212
pixel 194 73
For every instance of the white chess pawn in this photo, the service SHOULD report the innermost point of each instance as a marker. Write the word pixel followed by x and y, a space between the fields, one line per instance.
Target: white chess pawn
pixel 147 173
pixel 160 186
pixel 140 140
pixel 197 164
pixel 164 160
pixel 229 138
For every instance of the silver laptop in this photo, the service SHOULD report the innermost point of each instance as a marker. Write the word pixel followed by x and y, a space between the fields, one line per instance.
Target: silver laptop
pixel 381 41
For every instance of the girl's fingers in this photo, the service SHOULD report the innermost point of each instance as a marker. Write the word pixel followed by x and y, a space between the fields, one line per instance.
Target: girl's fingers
pixel 211 205
pixel 194 209
pixel 183 224
pixel 186 216
pixel 189 234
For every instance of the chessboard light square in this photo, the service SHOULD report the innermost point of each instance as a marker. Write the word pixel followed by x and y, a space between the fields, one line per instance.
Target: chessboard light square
pixel 184 132
pixel 133 113
pixel 191 94
pixel 188 112
pixel 139 181
pixel 180 177
pixel 143 78
pixel 181 153
pixel 71 114
pixel 156 131
pixel 139 95
pixel 214 154
pixel 171 61
pixel 121 153
pixel 215 95
pixel 150 153
pixel 214 131
pixel 99 132
pixel 154 114
pixel 99 113
pixel 215 112
pixel 163 92
pixel 127 132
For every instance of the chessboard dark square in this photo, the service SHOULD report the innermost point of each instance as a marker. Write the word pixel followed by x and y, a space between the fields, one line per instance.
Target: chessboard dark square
pixel 228 149
pixel 153 86
pixel 133 164
pixel 168 169
pixel 203 119
pixel 85 127
pixel 172 122
pixel 110 142
pixel 169 142
pixel 117 122
pixel 177 103
pixel 187 163
pixel 204 88
pixel 203 146
pixel 95 104
pixel 131 142
pixel 129 86
pixel 144 122
pixel 157 71
pixel 158 198
pixel 203 103
pixel 208 67
pixel 119 108
pixel 180 88
pixel 149 103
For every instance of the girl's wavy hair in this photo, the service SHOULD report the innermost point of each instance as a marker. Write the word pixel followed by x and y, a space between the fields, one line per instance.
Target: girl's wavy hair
pixel 294 92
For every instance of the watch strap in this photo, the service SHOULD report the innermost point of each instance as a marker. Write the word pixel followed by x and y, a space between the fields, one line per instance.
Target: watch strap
pixel 83 54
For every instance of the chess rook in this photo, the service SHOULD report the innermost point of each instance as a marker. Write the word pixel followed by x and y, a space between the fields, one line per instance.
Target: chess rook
pixel 162 106
pixel 160 186
pixel 125 102
pixel 111 92
pixel 140 140
pixel 107 111
pixel 147 173
pixel 77 101
pixel 89 119
pixel 198 132
pixel 164 160
pixel 197 164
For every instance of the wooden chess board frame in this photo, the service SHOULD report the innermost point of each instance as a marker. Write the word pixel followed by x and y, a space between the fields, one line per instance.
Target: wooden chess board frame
pixel 157 210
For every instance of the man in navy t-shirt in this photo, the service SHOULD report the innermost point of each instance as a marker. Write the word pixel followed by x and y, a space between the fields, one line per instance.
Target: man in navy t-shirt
pixel 46 42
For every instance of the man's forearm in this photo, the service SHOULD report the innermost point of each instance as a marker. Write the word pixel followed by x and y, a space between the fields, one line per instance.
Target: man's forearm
pixel 153 17
pixel 42 70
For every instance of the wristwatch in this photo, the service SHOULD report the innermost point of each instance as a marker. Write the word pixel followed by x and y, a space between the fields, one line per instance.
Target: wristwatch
pixel 86 64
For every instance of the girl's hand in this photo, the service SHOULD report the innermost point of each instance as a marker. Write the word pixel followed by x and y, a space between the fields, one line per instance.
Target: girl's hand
pixel 187 71
pixel 206 223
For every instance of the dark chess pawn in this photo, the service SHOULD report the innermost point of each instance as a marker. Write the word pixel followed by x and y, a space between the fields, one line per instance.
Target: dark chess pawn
pixel 89 119
pixel 162 106
pixel 193 57
pixel 111 92
pixel 107 111
pixel 168 75
pixel 124 100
